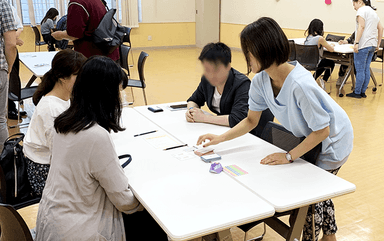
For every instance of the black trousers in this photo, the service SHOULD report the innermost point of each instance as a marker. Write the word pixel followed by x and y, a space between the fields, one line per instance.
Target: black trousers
pixel 50 41
pixel 321 68
pixel 15 71
pixel 141 226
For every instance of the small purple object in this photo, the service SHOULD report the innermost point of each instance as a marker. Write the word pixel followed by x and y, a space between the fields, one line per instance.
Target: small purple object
pixel 216 168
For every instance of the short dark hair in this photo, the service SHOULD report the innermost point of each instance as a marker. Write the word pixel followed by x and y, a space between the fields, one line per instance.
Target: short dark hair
pixel 95 98
pixel 315 28
pixel 266 41
pixel 216 53
pixel 64 64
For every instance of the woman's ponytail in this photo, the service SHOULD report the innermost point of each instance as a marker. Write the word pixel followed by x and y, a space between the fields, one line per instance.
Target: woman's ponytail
pixel 47 83
pixel 368 3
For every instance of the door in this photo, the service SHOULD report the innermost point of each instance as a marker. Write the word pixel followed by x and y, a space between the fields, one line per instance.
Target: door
pixel 207 22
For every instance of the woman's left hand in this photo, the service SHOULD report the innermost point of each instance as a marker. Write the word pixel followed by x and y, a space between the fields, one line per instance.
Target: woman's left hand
pixel 356 48
pixel 275 159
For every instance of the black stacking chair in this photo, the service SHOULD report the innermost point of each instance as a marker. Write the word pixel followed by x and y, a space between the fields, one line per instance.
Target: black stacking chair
pixel 127 39
pixel 292 50
pixel 38 41
pixel 334 38
pixel 140 83
pixel 378 57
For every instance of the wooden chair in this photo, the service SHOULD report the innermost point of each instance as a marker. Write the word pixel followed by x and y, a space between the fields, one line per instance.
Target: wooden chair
pixel 12 225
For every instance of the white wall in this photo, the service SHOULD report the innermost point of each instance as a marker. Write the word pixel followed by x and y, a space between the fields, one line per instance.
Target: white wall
pixel 165 11
pixel 296 14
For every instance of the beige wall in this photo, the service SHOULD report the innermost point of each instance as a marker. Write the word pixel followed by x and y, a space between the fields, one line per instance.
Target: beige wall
pixel 295 14
pixel 158 11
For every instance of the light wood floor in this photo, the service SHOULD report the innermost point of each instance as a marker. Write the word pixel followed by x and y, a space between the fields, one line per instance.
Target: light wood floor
pixel 173 74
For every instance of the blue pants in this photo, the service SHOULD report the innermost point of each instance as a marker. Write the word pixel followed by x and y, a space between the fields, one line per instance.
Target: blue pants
pixel 362 61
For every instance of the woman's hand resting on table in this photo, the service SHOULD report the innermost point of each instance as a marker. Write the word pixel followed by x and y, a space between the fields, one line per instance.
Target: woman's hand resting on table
pixel 274 159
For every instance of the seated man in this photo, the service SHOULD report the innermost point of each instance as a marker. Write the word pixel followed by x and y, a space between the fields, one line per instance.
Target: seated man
pixel 224 89
pixel 343 68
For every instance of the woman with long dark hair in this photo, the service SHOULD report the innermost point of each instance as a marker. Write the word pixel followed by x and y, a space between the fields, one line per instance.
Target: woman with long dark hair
pixel 369 32
pixel 48 26
pixel 51 98
pixel 87 189
pixel 315 35
pixel 299 104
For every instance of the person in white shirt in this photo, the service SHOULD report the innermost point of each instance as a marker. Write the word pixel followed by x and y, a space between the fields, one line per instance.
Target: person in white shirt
pixel 369 32
pixel 51 98
pixel 87 189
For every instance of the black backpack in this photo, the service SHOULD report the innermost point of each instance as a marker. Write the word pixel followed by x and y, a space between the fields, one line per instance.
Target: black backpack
pixel 109 34
pixel 14 167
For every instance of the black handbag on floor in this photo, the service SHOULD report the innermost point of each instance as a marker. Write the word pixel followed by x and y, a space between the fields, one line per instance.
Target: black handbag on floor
pixel 14 167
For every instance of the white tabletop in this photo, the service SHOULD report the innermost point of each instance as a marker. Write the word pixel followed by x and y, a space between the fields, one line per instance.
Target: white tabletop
pixel 38 63
pixel 182 195
pixel 339 48
pixel 286 187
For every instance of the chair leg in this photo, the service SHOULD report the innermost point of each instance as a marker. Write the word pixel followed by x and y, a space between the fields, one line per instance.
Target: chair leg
pixel 18 118
pixel 133 62
pixel 145 97
pixel 382 63
pixel 133 97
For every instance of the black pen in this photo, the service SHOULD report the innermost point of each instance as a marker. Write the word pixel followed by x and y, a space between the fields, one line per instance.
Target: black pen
pixel 173 147
pixel 149 132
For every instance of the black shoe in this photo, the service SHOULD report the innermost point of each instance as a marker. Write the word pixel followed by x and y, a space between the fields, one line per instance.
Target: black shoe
pixel 12 115
pixel 363 95
pixel 354 95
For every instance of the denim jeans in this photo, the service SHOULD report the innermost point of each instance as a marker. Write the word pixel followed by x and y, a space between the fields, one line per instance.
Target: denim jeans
pixel 3 107
pixel 362 61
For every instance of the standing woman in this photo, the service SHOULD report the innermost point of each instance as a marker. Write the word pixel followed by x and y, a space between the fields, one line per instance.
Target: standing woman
pixel 315 37
pixel 51 98
pixel 47 27
pixel 299 104
pixel 369 32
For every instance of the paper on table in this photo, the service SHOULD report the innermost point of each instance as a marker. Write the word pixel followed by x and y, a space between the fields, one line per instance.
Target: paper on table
pixel 162 141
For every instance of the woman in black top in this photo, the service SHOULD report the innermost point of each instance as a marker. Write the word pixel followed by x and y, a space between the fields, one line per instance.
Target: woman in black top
pixel 224 89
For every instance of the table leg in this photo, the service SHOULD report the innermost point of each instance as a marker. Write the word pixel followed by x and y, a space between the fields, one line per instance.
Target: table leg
pixel 224 235
pixel 374 79
pixel 31 80
pixel 348 73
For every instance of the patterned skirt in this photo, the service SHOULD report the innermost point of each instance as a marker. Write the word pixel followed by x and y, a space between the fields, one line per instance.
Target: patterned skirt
pixel 37 175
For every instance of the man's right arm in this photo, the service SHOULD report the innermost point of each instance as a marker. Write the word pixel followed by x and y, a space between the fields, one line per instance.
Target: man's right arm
pixel 10 50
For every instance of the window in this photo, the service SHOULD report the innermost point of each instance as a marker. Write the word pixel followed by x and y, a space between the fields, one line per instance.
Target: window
pixel 42 6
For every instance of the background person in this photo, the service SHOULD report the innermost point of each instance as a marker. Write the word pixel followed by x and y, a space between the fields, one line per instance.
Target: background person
pixel 48 26
pixel 369 32
pixel 315 37
pixel 8 52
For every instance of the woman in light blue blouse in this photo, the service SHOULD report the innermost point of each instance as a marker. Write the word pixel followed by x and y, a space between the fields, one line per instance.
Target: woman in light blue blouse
pixel 299 104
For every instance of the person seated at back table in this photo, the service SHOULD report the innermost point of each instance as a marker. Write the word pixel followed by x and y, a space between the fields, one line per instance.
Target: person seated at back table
pixel 343 68
pixel 224 89
pixel 315 37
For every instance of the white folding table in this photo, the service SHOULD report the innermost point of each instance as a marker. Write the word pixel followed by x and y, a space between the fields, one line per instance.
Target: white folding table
pixel 38 63
pixel 343 54
pixel 285 187
pixel 184 198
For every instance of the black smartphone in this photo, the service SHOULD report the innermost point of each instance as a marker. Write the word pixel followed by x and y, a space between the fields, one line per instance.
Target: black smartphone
pixel 155 109
pixel 178 106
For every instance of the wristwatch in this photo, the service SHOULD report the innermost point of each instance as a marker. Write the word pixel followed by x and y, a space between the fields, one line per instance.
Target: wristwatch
pixel 289 157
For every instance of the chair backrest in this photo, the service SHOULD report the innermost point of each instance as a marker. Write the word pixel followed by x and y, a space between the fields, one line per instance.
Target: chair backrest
pixel 37 34
pixel 292 50
pixel 307 55
pixel 12 225
pixel 127 36
pixel 14 86
pixel 334 38
pixel 124 51
pixel 380 52
pixel 279 136
pixel 140 66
